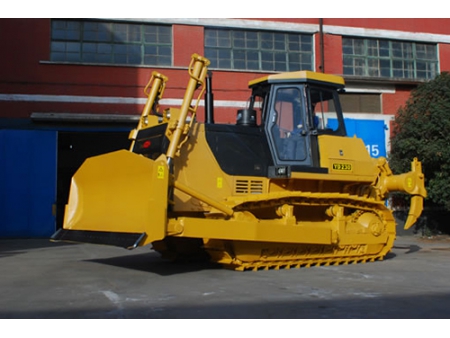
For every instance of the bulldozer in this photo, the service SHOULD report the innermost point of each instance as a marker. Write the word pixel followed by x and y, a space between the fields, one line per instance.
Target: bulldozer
pixel 282 187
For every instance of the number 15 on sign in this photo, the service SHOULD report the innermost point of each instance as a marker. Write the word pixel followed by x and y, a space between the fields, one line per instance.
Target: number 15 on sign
pixel 373 149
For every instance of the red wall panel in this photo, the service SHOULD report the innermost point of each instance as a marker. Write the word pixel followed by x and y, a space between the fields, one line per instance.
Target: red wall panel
pixel 423 25
pixel 187 40
pixel 26 68
pixel 11 109
pixel 444 57
pixel 392 102
pixel 24 43
pixel 333 54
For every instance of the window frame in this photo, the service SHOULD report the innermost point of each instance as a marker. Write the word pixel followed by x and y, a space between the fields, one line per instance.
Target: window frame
pixel 384 58
pixel 258 50
pixel 110 43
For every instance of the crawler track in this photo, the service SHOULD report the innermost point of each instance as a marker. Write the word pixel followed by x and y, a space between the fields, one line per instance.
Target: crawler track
pixel 255 256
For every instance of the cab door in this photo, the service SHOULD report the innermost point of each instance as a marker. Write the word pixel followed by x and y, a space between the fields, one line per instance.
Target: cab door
pixel 287 127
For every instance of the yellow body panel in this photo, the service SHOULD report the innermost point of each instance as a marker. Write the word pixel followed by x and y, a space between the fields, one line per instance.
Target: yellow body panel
pixel 346 156
pixel 197 168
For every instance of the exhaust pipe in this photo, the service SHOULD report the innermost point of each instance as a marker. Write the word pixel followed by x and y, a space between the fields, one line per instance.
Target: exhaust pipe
pixel 209 99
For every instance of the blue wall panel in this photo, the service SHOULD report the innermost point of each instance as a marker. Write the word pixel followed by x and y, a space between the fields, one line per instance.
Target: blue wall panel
pixel 28 173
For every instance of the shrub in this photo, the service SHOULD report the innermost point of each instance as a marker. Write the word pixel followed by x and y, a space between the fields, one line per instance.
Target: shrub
pixel 422 130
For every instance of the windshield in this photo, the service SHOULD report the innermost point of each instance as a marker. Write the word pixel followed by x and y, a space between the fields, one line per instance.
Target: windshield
pixel 324 104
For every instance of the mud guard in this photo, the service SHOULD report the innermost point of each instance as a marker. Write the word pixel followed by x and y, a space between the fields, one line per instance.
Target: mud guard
pixel 119 198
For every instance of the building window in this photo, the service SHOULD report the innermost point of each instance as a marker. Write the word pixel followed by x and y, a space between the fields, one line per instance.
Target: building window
pixel 386 58
pixel 258 50
pixel 111 42
pixel 360 103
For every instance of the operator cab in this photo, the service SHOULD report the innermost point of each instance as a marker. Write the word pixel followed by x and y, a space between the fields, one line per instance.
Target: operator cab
pixel 278 132
pixel 295 108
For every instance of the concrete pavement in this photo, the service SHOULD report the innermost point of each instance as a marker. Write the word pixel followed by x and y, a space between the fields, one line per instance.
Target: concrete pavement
pixel 41 279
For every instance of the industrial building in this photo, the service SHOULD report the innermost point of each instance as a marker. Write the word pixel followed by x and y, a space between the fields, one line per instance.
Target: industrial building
pixel 74 88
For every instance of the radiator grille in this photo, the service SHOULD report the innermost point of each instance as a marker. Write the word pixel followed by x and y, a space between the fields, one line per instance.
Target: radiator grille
pixel 249 187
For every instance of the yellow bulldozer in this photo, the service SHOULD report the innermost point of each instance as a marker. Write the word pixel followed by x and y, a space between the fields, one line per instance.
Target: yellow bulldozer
pixel 283 187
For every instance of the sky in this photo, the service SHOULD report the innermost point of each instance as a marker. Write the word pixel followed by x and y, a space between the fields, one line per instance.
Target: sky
pixel 214 9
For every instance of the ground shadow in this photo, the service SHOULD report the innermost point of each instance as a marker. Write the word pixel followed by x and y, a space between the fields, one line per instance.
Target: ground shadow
pixel 11 247
pixel 410 248
pixel 152 262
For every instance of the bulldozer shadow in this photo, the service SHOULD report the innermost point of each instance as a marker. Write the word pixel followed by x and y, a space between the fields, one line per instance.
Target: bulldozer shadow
pixel 151 262
pixel 409 249
pixel 389 256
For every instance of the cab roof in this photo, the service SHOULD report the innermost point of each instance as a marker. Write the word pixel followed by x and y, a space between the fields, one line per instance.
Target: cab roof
pixel 303 76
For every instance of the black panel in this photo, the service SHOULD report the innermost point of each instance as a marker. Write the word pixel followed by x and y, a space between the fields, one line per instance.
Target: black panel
pixel 281 171
pixel 315 156
pixel 152 142
pixel 123 239
pixel 239 150
pixel 306 169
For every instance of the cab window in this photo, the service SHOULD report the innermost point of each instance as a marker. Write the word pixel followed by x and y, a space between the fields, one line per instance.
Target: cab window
pixel 323 104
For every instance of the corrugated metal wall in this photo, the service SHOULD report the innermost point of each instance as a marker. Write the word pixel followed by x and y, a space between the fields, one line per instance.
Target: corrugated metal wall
pixel 28 171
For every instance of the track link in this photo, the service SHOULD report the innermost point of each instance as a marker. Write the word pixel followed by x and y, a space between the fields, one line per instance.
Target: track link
pixel 297 264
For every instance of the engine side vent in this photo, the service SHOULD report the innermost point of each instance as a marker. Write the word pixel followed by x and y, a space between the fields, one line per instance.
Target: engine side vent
pixel 249 187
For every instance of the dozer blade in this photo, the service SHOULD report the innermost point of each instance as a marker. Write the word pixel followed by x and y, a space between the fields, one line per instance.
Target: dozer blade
pixel 120 199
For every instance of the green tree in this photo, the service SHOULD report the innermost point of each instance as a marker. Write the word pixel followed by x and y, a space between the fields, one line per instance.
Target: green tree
pixel 422 130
